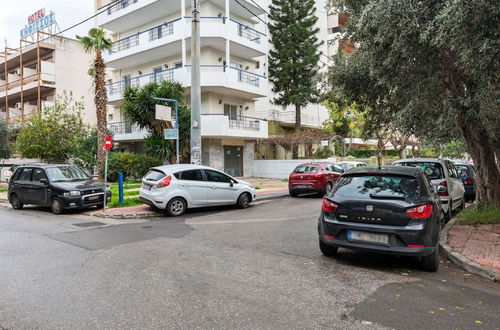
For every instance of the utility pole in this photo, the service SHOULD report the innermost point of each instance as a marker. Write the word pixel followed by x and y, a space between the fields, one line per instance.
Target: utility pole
pixel 195 84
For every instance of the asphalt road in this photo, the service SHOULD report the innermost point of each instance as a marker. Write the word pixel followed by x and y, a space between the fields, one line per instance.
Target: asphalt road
pixel 226 268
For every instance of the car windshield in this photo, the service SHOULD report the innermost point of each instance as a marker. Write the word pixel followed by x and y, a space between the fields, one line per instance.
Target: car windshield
pixel 378 186
pixel 306 168
pixel 66 173
pixel 462 170
pixel 432 169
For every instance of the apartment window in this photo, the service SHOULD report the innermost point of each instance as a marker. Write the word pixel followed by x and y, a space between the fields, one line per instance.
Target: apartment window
pixel 110 117
pixel 157 74
pixel 178 65
pixel 232 111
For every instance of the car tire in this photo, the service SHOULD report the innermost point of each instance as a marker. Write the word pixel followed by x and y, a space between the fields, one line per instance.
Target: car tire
pixel 176 206
pixel 328 188
pixel 293 193
pixel 244 201
pixel 15 202
pixel 430 262
pixel 56 206
pixel 328 250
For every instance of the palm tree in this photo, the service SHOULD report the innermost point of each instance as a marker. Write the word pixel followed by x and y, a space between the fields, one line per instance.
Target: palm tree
pixel 96 42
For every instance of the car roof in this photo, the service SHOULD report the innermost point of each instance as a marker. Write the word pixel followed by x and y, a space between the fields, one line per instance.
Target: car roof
pixel 392 170
pixel 181 167
pixel 44 165
pixel 315 163
pixel 417 160
pixel 347 162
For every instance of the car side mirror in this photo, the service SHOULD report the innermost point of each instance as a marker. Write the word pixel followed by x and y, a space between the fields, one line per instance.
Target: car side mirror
pixel 44 181
pixel 231 184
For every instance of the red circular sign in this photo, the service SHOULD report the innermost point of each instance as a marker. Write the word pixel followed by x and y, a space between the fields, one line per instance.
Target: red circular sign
pixel 108 142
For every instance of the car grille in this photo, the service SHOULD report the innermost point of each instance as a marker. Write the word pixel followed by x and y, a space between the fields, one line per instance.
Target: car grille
pixel 91 191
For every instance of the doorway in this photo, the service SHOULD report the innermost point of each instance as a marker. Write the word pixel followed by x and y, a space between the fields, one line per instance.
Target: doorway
pixel 233 160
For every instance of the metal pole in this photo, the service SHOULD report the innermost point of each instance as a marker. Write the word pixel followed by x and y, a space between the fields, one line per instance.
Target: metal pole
pixel 105 179
pixel 195 85
pixel 177 128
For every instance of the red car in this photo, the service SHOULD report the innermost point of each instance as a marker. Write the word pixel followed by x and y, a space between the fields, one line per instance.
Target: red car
pixel 313 178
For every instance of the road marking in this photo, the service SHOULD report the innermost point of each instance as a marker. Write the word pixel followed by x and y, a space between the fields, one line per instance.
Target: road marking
pixel 223 222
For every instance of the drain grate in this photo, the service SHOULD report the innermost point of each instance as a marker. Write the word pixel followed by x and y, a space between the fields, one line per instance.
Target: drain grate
pixel 89 224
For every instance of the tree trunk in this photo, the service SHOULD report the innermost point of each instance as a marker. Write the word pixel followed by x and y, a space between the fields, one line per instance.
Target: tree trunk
pixel 482 152
pixel 298 125
pixel 101 100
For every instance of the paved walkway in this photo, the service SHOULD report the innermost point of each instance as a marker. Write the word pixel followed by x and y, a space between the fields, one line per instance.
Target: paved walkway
pixel 481 244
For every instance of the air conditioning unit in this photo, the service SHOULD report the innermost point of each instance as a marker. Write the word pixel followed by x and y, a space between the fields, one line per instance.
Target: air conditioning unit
pixel 17 71
pixel 19 105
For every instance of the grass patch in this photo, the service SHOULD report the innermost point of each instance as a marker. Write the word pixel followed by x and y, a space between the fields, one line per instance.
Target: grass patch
pixel 3 190
pixel 257 188
pixel 130 194
pixel 134 201
pixel 284 180
pixel 479 216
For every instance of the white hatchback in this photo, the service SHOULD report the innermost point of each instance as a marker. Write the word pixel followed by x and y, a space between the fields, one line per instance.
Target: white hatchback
pixel 175 188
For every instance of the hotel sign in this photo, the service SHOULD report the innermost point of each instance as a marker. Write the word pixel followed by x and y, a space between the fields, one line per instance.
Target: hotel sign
pixel 36 22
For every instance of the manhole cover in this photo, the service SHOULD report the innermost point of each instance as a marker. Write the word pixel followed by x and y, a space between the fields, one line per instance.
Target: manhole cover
pixel 89 224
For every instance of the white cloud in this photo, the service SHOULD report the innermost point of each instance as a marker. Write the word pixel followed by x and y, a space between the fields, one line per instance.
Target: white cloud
pixel 13 17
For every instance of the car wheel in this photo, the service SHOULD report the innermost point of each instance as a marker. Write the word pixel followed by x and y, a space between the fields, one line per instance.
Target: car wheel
pixel 328 250
pixel 243 201
pixel 15 202
pixel 176 207
pixel 293 193
pixel 430 262
pixel 328 188
pixel 56 206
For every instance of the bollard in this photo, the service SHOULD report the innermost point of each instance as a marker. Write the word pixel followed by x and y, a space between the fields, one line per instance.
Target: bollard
pixel 120 188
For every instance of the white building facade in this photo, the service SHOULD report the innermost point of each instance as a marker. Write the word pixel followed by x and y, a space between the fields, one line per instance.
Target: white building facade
pixel 152 42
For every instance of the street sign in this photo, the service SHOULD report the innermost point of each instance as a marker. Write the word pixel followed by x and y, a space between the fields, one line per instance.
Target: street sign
pixel 108 142
pixel 171 134
pixel 163 112
pixel 324 143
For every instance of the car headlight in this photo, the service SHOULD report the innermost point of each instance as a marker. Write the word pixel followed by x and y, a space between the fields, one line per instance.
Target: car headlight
pixel 73 193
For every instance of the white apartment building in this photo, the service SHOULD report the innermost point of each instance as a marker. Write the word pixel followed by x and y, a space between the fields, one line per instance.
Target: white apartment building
pixel 152 42
pixel 33 75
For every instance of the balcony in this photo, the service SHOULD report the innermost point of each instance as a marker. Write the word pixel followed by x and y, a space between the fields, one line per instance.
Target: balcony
pixel 220 126
pixel 164 40
pixel 126 131
pixel 234 81
pixel 287 118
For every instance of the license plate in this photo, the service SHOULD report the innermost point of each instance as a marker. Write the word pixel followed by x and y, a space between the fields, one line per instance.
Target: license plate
pixel 146 187
pixel 360 236
pixel 302 187
pixel 93 198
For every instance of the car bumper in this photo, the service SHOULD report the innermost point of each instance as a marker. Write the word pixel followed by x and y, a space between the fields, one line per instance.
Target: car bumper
pixel 84 201
pixel 306 189
pixel 157 200
pixel 400 238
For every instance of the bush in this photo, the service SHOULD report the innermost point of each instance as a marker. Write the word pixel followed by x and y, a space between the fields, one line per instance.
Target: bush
pixel 367 153
pixel 130 164
pixel 322 153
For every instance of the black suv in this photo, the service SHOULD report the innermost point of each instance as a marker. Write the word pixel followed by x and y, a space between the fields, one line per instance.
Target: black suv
pixel 392 210
pixel 58 186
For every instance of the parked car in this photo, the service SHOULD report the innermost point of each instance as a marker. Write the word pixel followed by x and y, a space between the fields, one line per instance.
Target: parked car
pixel 175 188
pixel 318 177
pixel 391 210
pixel 61 187
pixel 8 174
pixel 444 176
pixel 346 166
pixel 467 174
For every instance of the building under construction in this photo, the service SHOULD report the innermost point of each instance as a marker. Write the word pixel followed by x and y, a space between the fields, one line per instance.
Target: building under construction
pixel 32 75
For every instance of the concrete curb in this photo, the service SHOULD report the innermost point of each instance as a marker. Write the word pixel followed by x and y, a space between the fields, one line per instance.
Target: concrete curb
pixel 146 215
pixel 461 260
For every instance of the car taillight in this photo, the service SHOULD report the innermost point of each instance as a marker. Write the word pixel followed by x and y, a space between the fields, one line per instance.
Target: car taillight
pixel 444 184
pixel 468 181
pixel 165 182
pixel 420 212
pixel 328 206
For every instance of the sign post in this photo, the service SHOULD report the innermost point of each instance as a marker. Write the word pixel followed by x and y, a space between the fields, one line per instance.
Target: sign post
pixel 108 144
pixel 169 133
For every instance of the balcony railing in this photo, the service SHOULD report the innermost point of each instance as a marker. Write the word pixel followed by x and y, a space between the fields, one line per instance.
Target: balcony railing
pixel 244 123
pixel 119 86
pixel 154 33
pixel 117 5
pixel 248 32
pixel 249 77
pixel 124 127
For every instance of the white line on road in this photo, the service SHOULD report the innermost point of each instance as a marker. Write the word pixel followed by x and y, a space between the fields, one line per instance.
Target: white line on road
pixel 222 222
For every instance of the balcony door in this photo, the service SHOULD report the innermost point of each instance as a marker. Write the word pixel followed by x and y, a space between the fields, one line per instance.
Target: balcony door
pixel 127 80
pixel 232 111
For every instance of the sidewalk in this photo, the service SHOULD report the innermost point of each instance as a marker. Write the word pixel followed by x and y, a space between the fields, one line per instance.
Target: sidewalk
pixel 477 249
pixel 146 211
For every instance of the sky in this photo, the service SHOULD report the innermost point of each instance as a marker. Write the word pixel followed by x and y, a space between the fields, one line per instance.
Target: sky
pixel 14 16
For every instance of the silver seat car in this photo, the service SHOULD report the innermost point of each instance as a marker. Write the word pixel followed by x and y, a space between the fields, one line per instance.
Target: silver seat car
pixel 175 188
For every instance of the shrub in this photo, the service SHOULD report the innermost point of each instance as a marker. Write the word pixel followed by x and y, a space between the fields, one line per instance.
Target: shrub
pixel 130 164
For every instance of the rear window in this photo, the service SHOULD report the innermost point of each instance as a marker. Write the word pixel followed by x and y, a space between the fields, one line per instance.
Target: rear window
pixel 306 168
pixel 154 175
pixel 378 186
pixel 463 170
pixel 433 170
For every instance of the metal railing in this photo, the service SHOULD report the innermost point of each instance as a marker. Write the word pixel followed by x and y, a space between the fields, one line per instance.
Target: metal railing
pixel 124 127
pixel 243 123
pixel 248 77
pixel 248 32
pixel 160 31
pixel 115 6
pixel 165 75
pixel 119 86
pixel 125 43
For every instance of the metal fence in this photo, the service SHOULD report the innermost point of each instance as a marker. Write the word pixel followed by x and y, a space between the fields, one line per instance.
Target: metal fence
pixel 122 4
pixel 244 123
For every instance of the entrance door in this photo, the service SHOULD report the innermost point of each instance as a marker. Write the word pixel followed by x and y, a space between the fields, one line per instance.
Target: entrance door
pixel 233 160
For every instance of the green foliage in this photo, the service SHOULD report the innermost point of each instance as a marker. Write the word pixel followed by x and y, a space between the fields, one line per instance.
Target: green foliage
pixel 130 164
pixel 480 216
pixel 139 108
pixel 85 152
pixel 96 40
pixel 344 119
pixel 5 146
pixel 322 153
pixel 455 149
pixel 429 152
pixel 133 201
pixel 367 153
pixel 55 135
pixel 293 59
